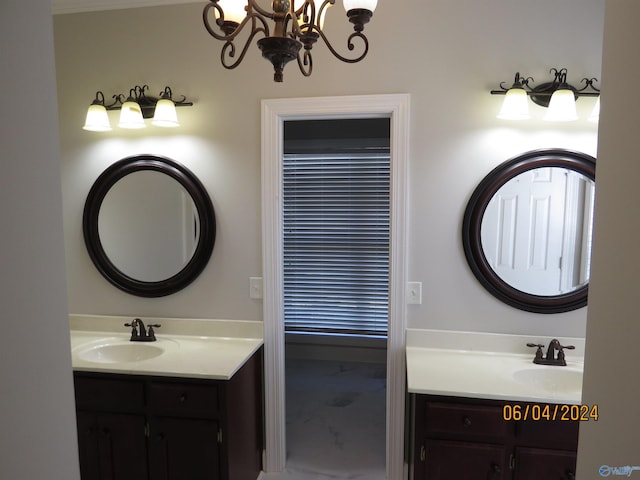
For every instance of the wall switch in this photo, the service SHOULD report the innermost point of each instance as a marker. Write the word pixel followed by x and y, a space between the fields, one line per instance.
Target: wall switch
pixel 414 293
pixel 255 287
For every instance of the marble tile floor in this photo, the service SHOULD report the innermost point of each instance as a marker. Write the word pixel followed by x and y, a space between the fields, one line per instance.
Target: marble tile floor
pixel 335 415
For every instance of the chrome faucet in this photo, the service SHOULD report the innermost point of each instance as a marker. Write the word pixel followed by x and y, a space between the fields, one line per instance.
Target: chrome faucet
pixel 551 358
pixel 139 333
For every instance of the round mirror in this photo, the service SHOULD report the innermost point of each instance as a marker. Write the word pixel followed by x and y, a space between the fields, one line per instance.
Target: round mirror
pixel 149 225
pixel 527 229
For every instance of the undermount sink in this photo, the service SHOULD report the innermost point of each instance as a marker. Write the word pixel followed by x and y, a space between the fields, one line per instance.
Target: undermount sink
pixel 550 379
pixel 121 352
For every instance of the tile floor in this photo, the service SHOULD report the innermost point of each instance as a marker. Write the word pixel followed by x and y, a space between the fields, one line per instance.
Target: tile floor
pixel 335 421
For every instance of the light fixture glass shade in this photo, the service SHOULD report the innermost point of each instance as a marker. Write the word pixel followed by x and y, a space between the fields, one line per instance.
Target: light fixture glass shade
pixel 97 119
pixel 234 10
pixel 515 105
pixel 131 115
pixel 165 114
pixel 562 107
pixel 595 113
pixel 357 4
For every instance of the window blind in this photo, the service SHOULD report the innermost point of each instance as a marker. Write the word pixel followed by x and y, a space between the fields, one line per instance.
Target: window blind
pixel 336 243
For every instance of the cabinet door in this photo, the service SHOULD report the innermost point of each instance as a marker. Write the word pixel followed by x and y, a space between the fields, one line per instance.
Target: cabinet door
pixel 112 446
pixel 183 448
pixel 450 460
pixel 537 463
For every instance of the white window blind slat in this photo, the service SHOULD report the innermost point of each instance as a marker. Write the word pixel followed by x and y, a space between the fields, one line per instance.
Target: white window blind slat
pixel 336 243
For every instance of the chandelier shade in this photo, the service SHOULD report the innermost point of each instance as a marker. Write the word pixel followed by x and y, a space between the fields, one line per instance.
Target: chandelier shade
pixel 286 32
pixel 562 106
pixel 595 113
pixel 131 115
pixel 515 105
pixel 165 114
pixel 97 119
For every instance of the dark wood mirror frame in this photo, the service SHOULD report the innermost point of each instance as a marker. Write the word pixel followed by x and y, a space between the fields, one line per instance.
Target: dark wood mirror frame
pixel 472 222
pixel 206 218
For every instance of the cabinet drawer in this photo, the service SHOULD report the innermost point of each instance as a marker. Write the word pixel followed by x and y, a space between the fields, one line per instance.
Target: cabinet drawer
pixel 184 399
pixel 103 393
pixel 447 460
pixel 548 434
pixel 467 421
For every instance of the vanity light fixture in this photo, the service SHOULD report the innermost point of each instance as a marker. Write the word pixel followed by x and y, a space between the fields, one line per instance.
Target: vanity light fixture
pixel 557 95
pixel 134 109
pixel 296 24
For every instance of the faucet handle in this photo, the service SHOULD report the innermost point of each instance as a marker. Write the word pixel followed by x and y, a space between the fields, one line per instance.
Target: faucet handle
pixel 539 349
pixel 133 325
pixel 150 332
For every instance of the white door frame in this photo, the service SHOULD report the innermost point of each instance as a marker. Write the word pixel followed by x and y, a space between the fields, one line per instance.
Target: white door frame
pixel 274 114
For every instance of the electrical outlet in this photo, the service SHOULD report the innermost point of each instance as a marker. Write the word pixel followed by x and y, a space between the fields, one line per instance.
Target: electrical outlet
pixel 255 287
pixel 414 293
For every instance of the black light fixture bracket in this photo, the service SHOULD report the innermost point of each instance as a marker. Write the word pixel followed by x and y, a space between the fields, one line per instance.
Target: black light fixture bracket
pixel 137 94
pixel 541 94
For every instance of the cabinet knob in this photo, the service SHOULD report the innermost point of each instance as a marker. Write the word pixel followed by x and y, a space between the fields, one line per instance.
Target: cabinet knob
pixel 496 468
pixel 466 421
pixel 182 398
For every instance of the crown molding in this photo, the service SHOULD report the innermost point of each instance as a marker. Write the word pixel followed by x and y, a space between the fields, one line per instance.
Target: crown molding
pixel 78 6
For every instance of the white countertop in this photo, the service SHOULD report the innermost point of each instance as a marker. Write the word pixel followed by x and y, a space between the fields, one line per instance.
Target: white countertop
pixel 491 366
pixel 193 348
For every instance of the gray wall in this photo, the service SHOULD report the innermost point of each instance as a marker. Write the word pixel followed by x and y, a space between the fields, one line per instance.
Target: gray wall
pixel 447 55
pixel 611 372
pixel 38 438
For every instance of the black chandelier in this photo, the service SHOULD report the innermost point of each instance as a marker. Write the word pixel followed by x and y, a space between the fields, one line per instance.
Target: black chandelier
pixel 294 28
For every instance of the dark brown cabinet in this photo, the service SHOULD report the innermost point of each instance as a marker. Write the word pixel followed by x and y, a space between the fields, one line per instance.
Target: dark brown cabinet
pixel 469 439
pixel 161 428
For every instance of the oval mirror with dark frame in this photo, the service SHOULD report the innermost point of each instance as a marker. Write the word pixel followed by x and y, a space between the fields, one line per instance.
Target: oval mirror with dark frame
pixel 149 225
pixel 526 231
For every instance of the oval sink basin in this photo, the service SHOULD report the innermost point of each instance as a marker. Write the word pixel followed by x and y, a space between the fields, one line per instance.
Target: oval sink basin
pixel 121 353
pixel 551 379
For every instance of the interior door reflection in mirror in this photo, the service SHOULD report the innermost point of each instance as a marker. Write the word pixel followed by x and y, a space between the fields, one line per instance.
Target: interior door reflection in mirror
pixel 148 226
pixel 536 231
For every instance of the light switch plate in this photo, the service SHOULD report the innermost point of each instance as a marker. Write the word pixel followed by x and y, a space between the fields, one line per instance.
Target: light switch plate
pixel 255 287
pixel 414 293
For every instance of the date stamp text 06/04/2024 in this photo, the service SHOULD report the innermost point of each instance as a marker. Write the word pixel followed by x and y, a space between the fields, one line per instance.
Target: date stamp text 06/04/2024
pixel 549 412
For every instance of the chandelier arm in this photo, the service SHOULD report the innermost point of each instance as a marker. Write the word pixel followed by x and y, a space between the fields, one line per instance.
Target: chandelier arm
pixel 205 19
pixel 253 5
pixel 350 46
pixel 306 64
pixel 308 18
pixel 229 50
pixel 253 17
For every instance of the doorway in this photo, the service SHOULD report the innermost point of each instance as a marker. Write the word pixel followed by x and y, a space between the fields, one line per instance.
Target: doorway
pixel 274 114
pixel 336 179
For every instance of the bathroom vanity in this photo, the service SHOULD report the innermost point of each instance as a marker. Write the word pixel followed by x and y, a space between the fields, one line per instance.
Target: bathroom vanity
pixel 462 438
pixel 480 408
pixel 193 411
